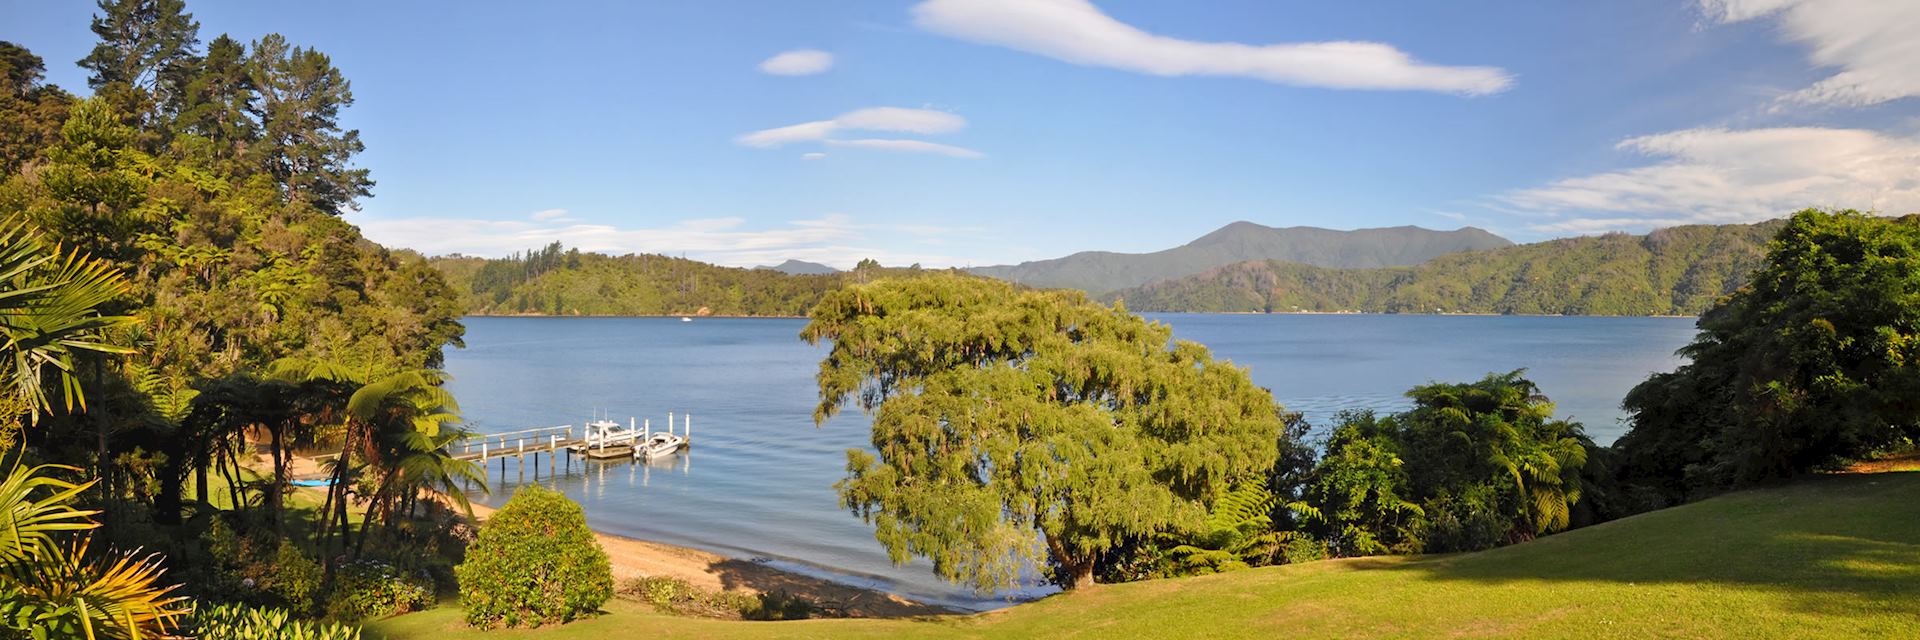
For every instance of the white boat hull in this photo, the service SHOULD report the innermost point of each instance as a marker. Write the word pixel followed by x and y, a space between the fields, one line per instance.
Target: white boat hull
pixel 659 445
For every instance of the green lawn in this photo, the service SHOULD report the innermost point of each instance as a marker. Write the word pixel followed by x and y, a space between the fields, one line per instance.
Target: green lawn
pixel 1831 556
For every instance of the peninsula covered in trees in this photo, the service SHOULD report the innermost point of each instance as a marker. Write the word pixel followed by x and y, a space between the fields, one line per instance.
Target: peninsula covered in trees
pixel 554 280
pixel 1671 271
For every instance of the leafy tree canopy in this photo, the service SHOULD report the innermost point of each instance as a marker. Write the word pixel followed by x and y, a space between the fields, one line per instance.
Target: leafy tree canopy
pixel 1815 362
pixel 1017 426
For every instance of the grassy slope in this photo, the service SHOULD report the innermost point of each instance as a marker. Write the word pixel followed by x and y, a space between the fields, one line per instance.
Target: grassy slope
pixel 1833 556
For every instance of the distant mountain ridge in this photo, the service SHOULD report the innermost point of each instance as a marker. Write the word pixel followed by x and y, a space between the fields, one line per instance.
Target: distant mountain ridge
pixel 801 268
pixel 1104 271
pixel 1672 271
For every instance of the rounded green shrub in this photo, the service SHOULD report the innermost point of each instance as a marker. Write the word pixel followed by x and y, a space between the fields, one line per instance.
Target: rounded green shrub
pixel 535 562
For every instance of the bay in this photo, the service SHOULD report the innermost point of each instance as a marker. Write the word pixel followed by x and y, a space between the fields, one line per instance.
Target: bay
pixel 758 481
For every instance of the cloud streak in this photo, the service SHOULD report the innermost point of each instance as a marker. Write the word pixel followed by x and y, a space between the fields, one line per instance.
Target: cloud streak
pixel 888 119
pixel 1870 42
pixel 1076 31
pixel 798 62
pixel 833 239
pixel 909 146
pixel 1714 176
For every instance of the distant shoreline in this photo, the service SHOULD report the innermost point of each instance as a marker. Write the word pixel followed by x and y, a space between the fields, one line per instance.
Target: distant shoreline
pixel 628 315
pixel 1196 313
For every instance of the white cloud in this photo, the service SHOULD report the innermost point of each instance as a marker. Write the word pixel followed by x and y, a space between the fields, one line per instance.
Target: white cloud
pixel 544 215
pixel 813 155
pixel 1871 42
pixel 924 121
pixel 912 146
pixel 1727 176
pixel 798 62
pixel 833 239
pixel 1076 31
pixel 893 119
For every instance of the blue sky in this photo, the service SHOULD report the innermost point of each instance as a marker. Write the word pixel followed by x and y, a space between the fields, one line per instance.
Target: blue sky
pixel 971 132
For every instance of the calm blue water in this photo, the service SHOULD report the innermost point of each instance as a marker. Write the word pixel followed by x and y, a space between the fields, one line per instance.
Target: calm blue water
pixel 758 482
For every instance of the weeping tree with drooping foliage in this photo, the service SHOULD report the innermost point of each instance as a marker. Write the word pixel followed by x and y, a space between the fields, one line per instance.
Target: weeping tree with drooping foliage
pixel 1017 427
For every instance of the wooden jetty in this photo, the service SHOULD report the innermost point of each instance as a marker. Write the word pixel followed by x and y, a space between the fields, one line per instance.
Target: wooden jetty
pixel 559 443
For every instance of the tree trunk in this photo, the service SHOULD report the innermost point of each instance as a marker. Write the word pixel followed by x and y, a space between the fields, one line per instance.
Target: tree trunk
pixel 1074 573
pixel 99 411
pixel 200 478
pixel 166 506
pixel 277 486
pixel 233 487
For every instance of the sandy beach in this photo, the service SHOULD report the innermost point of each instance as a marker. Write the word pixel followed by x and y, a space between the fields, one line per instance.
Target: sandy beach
pixel 633 558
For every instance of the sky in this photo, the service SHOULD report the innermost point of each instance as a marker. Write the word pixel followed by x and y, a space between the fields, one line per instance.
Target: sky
pixel 976 132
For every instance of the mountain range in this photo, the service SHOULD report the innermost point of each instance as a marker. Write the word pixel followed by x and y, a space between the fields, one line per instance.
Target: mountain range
pixel 801 268
pixel 1672 271
pixel 1099 272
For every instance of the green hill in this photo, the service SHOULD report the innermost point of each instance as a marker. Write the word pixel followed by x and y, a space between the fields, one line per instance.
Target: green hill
pixel 559 281
pixel 1102 271
pixel 1673 271
pixel 1827 557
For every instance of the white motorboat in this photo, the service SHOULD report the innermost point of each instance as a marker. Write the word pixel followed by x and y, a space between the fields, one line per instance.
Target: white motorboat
pixel 654 445
pixel 659 445
pixel 607 433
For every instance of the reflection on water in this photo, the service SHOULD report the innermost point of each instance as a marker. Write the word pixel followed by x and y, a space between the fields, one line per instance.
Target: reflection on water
pixel 764 485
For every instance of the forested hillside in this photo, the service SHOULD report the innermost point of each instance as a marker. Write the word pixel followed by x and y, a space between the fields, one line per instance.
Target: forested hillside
pixel 1097 272
pixel 1674 271
pixel 559 281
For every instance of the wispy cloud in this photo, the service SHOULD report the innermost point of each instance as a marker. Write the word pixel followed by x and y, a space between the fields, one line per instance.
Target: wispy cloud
pixel 812 155
pixel 1871 42
pixel 891 119
pixel 898 119
pixel 911 146
pixel 798 62
pixel 545 215
pixel 1076 31
pixel 1727 176
pixel 836 239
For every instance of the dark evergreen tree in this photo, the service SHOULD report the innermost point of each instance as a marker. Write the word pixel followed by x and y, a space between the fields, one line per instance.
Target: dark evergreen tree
pixel 299 95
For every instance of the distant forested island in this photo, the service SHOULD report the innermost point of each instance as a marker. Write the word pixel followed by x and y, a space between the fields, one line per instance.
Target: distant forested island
pixel 555 280
pixel 1673 271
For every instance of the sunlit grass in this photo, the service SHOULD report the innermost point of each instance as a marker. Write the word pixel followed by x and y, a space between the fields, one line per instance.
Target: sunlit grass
pixel 1831 556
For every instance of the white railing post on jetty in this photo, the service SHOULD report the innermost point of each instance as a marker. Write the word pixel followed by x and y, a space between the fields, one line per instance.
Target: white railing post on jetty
pixel 669 423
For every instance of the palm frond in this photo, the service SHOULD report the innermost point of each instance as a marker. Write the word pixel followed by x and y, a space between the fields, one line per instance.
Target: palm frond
pixel 33 505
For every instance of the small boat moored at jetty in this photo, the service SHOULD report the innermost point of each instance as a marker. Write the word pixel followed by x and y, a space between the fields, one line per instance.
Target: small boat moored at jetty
pixel 659 445
pixel 604 438
pixel 653 446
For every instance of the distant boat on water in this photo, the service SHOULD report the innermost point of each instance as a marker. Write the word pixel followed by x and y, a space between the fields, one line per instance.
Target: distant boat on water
pixel 685 319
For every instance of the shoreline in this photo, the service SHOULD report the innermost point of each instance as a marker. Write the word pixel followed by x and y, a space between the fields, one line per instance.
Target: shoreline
pixel 633 558
pixel 1135 311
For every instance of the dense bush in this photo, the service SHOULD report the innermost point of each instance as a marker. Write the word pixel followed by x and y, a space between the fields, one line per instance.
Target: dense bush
pixel 1814 363
pixel 674 595
pixel 535 562
pixel 1470 466
pixel 372 589
pixel 255 568
pixel 240 622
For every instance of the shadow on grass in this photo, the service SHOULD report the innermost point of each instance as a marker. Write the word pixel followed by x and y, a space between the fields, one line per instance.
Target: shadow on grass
pixel 1836 544
pixel 834 598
